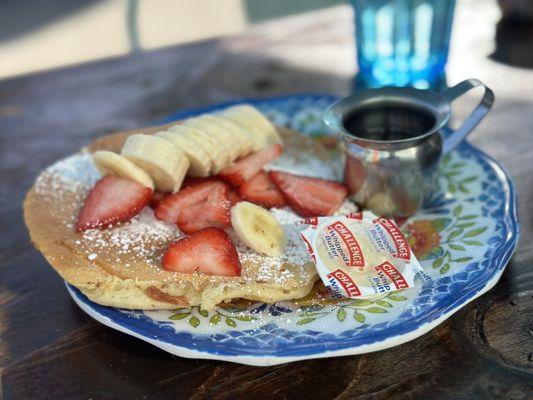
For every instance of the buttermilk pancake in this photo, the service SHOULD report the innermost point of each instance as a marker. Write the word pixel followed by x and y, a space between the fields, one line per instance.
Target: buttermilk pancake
pixel 123 264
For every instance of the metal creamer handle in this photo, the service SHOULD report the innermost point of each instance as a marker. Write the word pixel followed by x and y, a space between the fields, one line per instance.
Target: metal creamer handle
pixel 454 137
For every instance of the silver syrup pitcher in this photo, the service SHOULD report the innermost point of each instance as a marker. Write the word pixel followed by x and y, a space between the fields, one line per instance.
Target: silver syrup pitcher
pixel 392 140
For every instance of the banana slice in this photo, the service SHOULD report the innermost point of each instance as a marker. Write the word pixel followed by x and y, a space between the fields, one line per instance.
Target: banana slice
pixel 218 154
pixel 258 140
pixel 166 164
pixel 109 163
pixel 214 132
pixel 232 142
pixel 244 137
pixel 181 171
pixel 252 119
pixel 258 229
pixel 211 126
pixel 198 157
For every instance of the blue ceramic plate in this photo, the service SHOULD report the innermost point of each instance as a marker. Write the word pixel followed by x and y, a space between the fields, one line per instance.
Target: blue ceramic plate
pixel 464 237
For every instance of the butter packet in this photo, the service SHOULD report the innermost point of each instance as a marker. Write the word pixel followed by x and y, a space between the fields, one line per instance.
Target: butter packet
pixel 360 254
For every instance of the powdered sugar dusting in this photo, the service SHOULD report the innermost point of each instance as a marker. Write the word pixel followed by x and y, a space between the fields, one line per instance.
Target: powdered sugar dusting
pixel 55 186
pixel 311 166
pixel 278 270
pixel 136 236
pixel 347 207
pixel 74 174
pixel 78 174
pixel 78 168
pixel 286 216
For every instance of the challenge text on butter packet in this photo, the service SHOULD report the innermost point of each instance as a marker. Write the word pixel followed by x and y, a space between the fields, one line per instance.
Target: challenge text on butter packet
pixel 360 254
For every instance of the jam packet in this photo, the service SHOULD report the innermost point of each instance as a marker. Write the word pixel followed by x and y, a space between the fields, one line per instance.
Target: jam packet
pixel 360 254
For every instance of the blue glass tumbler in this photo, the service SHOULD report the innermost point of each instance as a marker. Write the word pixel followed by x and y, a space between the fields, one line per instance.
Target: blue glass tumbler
pixel 402 42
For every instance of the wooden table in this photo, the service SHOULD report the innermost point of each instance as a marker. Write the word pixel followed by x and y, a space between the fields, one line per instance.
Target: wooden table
pixel 50 349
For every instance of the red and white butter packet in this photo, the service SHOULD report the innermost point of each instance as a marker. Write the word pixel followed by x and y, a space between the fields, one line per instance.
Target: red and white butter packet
pixel 360 254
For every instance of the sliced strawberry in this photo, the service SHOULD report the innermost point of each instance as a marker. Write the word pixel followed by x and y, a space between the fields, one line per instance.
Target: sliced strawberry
pixel 196 207
pixel 233 197
pixel 213 212
pixel 244 169
pixel 309 197
pixel 210 251
pixel 262 191
pixel 112 200
pixel 157 197
pixel 191 181
pixel 169 209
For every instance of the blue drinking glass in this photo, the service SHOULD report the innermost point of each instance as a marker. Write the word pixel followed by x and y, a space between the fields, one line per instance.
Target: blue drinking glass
pixel 402 42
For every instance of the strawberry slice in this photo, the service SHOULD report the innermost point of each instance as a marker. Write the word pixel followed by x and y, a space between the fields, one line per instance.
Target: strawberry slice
pixel 192 181
pixel 262 191
pixel 233 197
pixel 213 212
pixel 112 200
pixel 210 251
pixel 196 207
pixel 157 197
pixel 309 197
pixel 193 195
pixel 244 169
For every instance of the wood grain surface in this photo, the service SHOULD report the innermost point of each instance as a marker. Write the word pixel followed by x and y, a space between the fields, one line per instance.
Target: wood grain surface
pixel 49 349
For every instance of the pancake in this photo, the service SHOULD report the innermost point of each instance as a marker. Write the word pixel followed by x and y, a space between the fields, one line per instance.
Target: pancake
pixel 121 266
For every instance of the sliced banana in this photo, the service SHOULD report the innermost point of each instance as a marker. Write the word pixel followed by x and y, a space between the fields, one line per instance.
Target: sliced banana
pixel 233 143
pixel 258 140
pixel 252 119
pixel 258 229
pixel 244 137
pixel 213 133
pixel 218 154
pixel 166 164
pixel 181 171
pixel 198 157
pixel 109 163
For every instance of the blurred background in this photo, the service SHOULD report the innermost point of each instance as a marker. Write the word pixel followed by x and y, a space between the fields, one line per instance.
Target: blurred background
pixel 40 35
pixel 36 35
